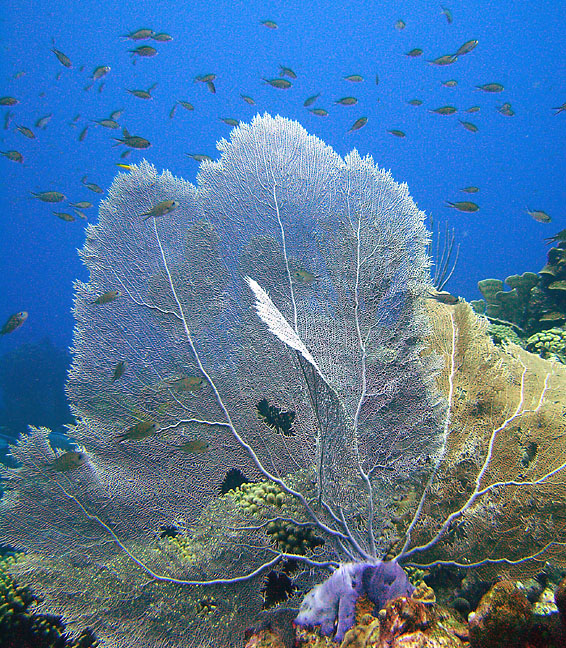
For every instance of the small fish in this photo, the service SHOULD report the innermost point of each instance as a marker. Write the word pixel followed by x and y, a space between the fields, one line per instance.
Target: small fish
pixel 162 208
pixel 14 322
pixel 270 24
pixel 116 114
pixel 140 430
pixel 211 87
pixel 538 215
pixel 400 25
pixel 282 84
pixel 310 100
pixel 558 109
pixel 140 34
pixel 446 12
pixel 466 47
pixel 196 446
pixel 107 297
pixel 471 189
pixel 447 59
pixel 248 100
pixel 62 58
pixel 7 119
pixel 229 121
pixel 551 317
pixel 26 131
pixel 92 186
pixel 144 51
pixel 417 51
pixel 199 157
pixel 49 196
pixel 451 83
pixel 43 121
pixel 304 276
pixel 491 87
pixel 125 154
pixel 186 383
pixel 106 123
pixel 444 110
pixel 186 105
pixel 469 126
pixel 119 371
pixel 82 134
pixel 69 218
pixel 359 123
pixel 143 94
pixel 320 112
pixel 415 102
pixel 557 238
pixel 162 37
pixel 133 141
pixel 506 109
pixel 377 79
pixel 346 101
pixel 354 78
pixel 8 101
pixel 205 78
pixel 473 109
pixel 83 204
pixel 69 461
pixel 15 156
pixel 397 133
pixel 128 167
pixel 80 214
pixel 464 206
pixel 100 71
pixel 285 71
pixel 172 111
pixel 443 297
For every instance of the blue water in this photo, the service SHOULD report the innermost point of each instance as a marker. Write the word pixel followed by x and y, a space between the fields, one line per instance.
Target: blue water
pixel 516 161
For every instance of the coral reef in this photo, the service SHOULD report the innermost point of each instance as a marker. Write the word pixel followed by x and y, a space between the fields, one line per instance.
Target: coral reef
pixel 535 303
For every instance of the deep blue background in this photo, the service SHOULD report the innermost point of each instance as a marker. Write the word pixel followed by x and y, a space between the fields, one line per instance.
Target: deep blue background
pixel 516 161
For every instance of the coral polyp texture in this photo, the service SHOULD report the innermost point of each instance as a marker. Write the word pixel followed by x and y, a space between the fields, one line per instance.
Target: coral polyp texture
pixel 275 330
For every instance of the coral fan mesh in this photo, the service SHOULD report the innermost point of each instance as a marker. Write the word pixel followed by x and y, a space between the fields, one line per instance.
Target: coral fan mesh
pixel 333 400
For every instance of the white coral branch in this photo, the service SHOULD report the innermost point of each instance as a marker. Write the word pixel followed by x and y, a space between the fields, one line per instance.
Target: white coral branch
pixel 277 324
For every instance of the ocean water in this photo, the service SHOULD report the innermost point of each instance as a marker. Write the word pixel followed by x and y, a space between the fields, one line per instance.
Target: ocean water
pixel 517 161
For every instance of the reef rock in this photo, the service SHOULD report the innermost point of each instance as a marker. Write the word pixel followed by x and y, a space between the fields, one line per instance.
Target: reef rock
pixel 501 619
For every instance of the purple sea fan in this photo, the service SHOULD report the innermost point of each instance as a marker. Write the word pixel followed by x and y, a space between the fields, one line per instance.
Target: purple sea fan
pixel 332 604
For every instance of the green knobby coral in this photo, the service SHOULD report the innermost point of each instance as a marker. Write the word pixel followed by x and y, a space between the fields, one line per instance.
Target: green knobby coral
pixel 21 626
pixel 550 344
pixel 259 499
pixel 502 334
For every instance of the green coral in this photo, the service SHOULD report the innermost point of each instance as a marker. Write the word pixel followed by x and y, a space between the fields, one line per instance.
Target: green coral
pixel 550 344
pixel 502 334
pixel 20 627
pixel 259 499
